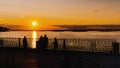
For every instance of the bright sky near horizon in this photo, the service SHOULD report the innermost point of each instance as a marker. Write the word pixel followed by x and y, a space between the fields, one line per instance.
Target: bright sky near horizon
pixel 60 12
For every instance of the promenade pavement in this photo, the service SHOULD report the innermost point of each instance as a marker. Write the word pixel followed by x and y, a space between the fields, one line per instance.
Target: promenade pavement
pixel 19 58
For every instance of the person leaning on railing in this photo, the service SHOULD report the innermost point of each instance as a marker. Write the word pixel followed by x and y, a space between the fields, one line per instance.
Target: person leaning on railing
pixel 55 43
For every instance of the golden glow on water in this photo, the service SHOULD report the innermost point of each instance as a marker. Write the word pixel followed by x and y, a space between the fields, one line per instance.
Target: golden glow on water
pixel 34 36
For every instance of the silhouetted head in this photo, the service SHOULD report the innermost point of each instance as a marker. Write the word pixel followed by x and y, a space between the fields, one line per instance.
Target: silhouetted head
pixel 45 35
pixel 41 37
pixel 24 36
pixel 55 38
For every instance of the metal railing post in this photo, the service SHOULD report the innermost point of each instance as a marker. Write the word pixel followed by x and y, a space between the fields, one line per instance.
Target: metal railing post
pixel 93 45
pixel 19 43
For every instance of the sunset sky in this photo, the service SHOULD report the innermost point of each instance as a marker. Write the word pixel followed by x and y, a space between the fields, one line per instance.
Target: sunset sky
pixel 59 12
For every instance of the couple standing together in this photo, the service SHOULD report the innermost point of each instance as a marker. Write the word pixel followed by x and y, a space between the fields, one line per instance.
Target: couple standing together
pixel 43 42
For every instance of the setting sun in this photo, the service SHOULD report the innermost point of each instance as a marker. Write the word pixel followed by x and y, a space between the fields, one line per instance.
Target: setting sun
pixel 34 23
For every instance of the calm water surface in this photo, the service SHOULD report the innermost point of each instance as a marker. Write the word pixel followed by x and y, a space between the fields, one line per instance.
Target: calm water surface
pixel 64 34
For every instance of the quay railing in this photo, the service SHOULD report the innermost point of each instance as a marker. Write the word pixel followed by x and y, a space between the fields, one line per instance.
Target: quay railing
pixel 94 45
pixel 91 45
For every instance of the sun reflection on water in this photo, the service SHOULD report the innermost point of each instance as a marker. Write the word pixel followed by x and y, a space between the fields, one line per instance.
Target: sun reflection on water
pixel 34 36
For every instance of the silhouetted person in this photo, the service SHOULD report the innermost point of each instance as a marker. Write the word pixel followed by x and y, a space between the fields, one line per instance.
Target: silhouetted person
pixel 55 43
pixel 40 43
pixel 45 42
pixel 25 42
pixel 64 44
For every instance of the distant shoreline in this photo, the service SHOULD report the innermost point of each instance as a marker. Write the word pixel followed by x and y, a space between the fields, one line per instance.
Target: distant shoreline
pixel 70 30
pixel 3 29
pixel 74 28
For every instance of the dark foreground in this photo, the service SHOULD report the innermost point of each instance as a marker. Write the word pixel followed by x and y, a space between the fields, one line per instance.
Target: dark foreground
pixel 30 58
